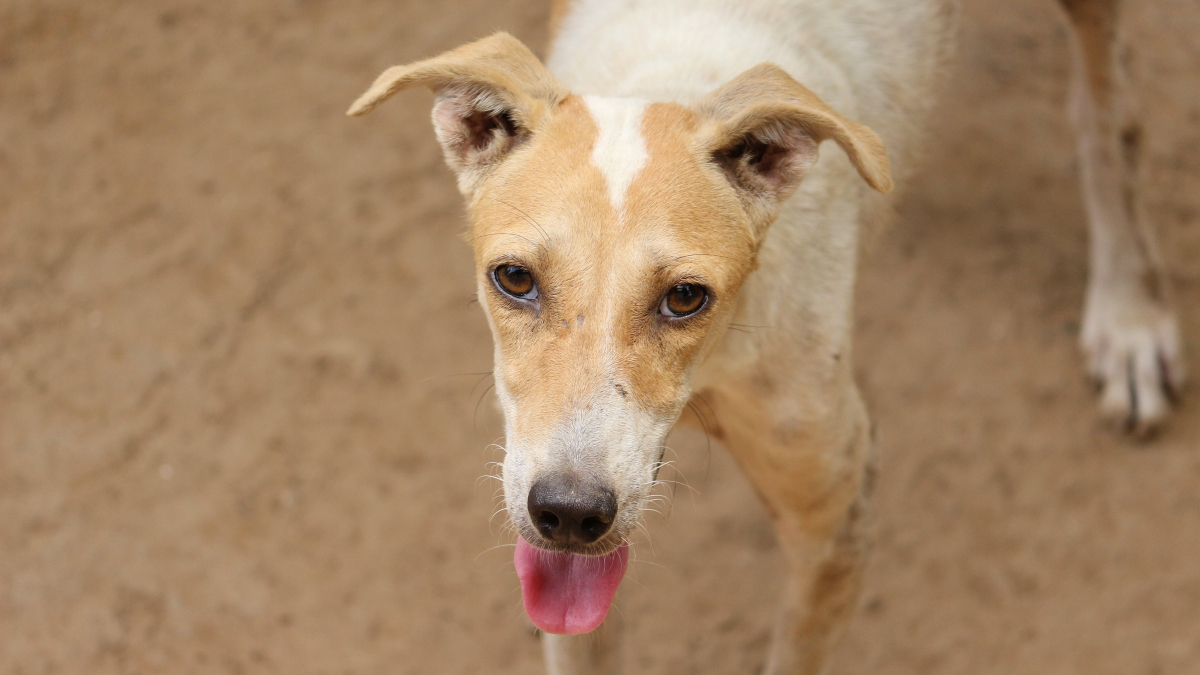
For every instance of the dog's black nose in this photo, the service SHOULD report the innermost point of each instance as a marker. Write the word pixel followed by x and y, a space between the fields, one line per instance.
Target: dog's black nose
pixel 567 510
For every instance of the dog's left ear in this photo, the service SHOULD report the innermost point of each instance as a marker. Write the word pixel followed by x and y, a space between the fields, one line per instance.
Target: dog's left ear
pixel 763 131
pixel 489 97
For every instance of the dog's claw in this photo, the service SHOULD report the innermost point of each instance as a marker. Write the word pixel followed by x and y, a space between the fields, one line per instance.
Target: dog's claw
pixel 1133 351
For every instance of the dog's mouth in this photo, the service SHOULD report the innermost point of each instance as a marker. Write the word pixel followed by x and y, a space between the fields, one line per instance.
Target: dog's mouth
pixel 568 593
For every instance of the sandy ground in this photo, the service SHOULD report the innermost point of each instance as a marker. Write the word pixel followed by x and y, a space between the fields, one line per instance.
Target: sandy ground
pixel 239 429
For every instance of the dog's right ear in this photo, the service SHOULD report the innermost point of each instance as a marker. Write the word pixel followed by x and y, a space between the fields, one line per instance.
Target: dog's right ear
pixel 489 97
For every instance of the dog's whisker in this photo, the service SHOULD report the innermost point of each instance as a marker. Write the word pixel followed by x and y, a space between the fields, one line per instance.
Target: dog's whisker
pixel 492 548
pixel 492 518
pixel 509 234
pixel 446 375
pixel 529 219
pixel 475 418
pixel 695 408
pixel 680 258
pixel 482 377
pixel 667 481
pixel 642 561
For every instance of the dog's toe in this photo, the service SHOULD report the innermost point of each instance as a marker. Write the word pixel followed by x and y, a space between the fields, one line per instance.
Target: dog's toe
pixel 1134 354
pixel 1134 396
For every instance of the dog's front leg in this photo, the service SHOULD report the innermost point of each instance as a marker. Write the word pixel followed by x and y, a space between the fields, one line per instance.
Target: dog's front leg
pixel 1130 333
pixel 810 457
pixel 596 653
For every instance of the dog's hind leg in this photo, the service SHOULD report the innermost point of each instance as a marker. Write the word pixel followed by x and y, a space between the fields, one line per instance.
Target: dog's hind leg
pixel 1130 334
pixel 810 457
pixel 596 653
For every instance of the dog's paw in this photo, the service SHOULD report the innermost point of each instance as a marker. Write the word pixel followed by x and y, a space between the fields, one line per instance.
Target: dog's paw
pixel 1133 351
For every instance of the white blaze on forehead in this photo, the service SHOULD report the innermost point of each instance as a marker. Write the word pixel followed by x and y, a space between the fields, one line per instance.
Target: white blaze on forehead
pixel 620 151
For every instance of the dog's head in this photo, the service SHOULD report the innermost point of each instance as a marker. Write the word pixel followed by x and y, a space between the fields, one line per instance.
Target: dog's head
pixel 611 237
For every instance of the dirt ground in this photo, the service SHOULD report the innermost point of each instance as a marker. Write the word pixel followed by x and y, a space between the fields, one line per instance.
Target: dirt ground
pixel 239 371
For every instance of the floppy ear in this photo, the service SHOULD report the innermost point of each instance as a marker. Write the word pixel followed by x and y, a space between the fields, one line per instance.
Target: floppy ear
pixel 764 131
pixel 489 96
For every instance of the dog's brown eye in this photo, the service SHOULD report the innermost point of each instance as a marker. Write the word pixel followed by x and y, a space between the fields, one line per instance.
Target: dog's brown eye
pixel 683 300
pixel 516 281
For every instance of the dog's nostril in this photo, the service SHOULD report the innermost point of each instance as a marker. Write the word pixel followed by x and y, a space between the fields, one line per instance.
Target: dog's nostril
pixel 547 523
pixel 564 509
pixel 593 528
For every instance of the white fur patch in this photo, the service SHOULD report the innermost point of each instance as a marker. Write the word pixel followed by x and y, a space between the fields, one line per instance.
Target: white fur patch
pixel 620 151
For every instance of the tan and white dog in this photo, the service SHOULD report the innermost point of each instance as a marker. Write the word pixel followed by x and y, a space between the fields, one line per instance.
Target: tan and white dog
pixel 657 181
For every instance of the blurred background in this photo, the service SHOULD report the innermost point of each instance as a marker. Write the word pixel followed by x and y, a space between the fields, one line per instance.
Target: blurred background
pixel 243 418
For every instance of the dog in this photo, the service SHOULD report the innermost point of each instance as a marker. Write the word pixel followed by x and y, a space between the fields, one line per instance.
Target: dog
pixel 663 177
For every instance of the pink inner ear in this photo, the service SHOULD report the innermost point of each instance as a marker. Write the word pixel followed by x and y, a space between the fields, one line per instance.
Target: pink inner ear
pixel 770 161
pixel 789 155
pixel 773 159
pixel 482 127
pixel 466 124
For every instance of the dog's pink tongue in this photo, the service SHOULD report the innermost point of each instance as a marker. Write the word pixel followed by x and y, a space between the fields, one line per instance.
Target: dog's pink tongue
pixel 567 593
